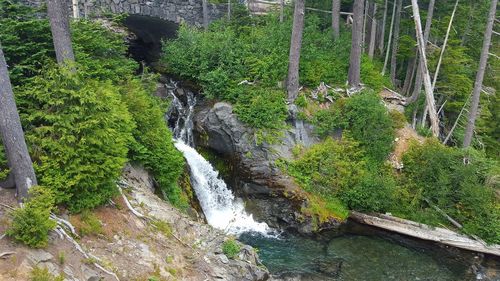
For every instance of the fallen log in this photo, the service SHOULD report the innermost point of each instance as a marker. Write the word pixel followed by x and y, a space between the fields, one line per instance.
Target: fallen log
pixel 425 232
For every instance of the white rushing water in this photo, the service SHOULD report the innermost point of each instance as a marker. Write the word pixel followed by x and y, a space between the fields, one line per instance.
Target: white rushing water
pixel 221 208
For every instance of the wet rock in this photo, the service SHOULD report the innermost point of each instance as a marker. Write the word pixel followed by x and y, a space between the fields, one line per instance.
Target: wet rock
pixel 273 196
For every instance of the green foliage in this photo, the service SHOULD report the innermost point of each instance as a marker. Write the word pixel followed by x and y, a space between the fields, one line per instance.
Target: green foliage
pixel 89 224
pixel 31 222
pixel 456 181
pixel 231 248
pixel 163 227
pixel 398 119
pixel 43 274
pixel 152 145
pixel 79 131
pixel 4 169
pixel 365 117
pixel 370 124
pixel 262 108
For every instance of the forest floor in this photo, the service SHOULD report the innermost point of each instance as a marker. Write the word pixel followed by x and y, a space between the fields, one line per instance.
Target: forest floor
pixel 179 248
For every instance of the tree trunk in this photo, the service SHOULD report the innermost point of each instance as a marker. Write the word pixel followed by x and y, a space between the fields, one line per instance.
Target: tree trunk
pixel 295 46
pixel 228 10
pixel 12 135
pixel 365 23
pixel 373 32
pixel 395 42
pixel 389 40
pixel 76 9
pixel 431 105
pixel 476 93
pixel 282 10
pixel 410 72
pixel 444 45
pixel 419 78
pixel 336 18
pixel 59 25
pixel 354 75
pixel 382 28
pixel 204 5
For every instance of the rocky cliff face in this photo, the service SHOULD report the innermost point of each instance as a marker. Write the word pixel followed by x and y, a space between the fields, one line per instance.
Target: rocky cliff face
pixel 273 196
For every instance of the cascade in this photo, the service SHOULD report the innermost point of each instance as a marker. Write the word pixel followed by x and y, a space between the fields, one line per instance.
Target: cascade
pixel 221 208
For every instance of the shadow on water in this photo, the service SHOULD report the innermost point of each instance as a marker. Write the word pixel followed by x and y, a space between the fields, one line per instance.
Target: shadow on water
pixel 359 252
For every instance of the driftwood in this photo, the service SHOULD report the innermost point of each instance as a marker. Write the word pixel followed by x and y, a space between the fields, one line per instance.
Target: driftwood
pixel 425 232
pixel 5 255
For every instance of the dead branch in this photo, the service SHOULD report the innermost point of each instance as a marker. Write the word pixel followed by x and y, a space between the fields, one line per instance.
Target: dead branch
pixel 5 255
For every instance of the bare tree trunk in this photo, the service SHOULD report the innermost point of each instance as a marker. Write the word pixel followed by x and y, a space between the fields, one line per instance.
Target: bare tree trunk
pixel 282 10
pixel 444 45
pixel 419 78
pixel 382 28
pixel 59 25
pixel 410 72
pixel 476 93
pixel 336 18
pixel 395 42
pixel 389 40
pixel 373 33
pixel 204 5
pixel 295 46
pixel 76 9
pixel 354 75
pixel 12 135
pixel 431 104
pixel 229 10
pixel 365 23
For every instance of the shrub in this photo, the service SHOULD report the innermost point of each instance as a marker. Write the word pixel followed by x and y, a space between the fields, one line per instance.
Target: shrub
pixel 43 274
pixel 231 248
pixel 79 131
pixel 152 145
pixel 31 222
pixel 370 124
pixel 87 223
pixel 456 181
pixel 262 108
pixel 398 119
pixel 4 169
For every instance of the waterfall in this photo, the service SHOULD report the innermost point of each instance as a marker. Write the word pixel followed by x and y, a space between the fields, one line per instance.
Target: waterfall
pixel 222 210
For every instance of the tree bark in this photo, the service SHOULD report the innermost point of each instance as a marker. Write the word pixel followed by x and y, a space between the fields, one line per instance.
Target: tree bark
pixel 12 135
pixel 59 25
pixel 365 23
pixel 336 18
pixel 382 28
pixel 295 46
pixel 76 9
pixel 410 72
pixel 395 42
pixel 476 93
pixel 389 40
pixel 282 10
pixel 373 32
pixel 204 6
pixel 354 75
pixel 419 78
pixel 228 10
pixel 431 104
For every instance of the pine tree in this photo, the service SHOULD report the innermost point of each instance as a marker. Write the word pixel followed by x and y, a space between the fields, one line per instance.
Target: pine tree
pixel 295 46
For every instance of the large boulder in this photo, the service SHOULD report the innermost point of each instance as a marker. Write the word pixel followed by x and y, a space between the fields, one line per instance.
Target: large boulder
pixel 273 196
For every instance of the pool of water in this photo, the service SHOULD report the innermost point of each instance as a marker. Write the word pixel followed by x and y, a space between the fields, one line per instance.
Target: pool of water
pixel 360 255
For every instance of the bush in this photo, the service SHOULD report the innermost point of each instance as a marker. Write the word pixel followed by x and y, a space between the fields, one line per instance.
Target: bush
pixel 152 145
pixel 370 124
pixel 262 108
pixel 79 131
pixel 231 248
pixel 31 222
pixel 43 274
pixel 456 181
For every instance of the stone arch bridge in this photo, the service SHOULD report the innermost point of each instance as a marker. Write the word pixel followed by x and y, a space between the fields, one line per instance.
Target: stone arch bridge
pixel 177 11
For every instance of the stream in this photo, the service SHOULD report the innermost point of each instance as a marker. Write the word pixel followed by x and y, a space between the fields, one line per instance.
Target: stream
pixel 353 252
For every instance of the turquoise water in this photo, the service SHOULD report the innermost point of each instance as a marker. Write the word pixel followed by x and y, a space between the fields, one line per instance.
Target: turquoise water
pixel 356 257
